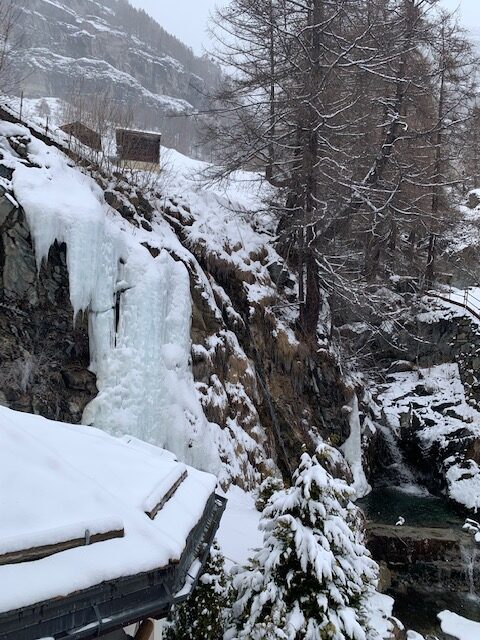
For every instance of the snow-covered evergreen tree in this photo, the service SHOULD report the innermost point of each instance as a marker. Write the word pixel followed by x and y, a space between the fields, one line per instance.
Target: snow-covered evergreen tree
pixel 313 577
pixel 265 491
pixel 202 616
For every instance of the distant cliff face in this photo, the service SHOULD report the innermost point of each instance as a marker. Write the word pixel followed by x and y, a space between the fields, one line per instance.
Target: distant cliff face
pixel 72 46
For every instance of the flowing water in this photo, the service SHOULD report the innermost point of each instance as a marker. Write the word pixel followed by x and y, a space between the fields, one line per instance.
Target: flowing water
pixel 386 504
pixel 398 494
pixel 470 558
pixel 395 471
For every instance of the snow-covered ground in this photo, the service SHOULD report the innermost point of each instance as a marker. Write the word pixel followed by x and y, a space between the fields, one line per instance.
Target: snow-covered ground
pixel 458 627
pixel 228 217
pixel 37 110
pixel 239 535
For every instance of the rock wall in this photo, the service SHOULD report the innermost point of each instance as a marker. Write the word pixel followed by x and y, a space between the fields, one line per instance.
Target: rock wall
pixel 44 357
pixel 297 391
pixel 271 393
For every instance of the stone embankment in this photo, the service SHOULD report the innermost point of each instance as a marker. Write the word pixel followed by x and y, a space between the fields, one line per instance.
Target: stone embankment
pixel 426 558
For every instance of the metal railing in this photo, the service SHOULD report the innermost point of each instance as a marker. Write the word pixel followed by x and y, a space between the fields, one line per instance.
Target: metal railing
pixel 468 299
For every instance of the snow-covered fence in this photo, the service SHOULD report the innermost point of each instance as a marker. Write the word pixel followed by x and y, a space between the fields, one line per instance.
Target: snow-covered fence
pixel 468 299
pixel 45 133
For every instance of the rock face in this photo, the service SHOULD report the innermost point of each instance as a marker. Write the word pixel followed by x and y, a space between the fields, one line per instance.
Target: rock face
pixel 431 399
pixel 426 558
pixel 109 48
pixel 44 356
pixel 297 391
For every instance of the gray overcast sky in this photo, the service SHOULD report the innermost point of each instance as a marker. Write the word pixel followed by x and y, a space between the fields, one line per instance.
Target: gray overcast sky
pixel 187 19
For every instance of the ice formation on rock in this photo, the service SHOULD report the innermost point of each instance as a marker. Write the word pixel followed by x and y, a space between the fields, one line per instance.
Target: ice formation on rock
pixel 352 450
pixel 139 308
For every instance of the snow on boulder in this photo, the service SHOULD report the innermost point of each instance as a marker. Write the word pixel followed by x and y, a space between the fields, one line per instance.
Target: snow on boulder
pixel 458 627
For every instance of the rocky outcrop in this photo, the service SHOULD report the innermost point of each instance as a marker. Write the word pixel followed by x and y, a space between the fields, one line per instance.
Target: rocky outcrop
pixel 44 355
pixel 298 391
pixel 426 558
pixel 87 48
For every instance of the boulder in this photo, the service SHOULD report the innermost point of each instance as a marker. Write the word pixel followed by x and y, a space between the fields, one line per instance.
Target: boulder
pixel 474 199
pixel 425 557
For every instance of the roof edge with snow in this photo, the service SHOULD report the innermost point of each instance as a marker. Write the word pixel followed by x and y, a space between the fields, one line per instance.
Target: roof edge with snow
pixel 115 604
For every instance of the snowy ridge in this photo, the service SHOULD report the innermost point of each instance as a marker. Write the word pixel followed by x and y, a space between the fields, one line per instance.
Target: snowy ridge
pixel 100 71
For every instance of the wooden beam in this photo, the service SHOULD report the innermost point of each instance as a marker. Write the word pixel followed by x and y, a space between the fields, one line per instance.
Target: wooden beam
pixel 145 630
pixel 151 514
pixel 36 553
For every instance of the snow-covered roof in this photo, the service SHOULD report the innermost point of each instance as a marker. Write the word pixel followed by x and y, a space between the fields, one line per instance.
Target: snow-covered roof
pixel 141 132
pixel 123 506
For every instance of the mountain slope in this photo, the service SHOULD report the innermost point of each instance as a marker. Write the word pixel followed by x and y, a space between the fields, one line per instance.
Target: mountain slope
pixel 87 47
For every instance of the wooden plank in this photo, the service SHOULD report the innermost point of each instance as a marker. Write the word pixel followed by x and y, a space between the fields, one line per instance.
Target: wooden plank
pixel 36 553
pixel 151 514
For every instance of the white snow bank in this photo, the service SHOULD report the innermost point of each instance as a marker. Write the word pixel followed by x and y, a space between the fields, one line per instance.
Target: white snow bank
pixel 380 607
pixel 59 480
pixel 459 627
pixel 464 483
pixel 238 534
pixel 141 354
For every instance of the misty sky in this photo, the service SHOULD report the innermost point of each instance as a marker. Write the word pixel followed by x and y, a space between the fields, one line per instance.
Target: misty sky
pixel 187 19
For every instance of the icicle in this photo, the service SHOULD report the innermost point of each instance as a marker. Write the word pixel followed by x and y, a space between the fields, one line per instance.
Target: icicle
pixel 352 450
pixel 145 383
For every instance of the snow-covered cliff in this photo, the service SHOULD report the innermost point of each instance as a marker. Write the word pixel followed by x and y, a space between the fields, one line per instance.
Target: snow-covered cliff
pixel 139 307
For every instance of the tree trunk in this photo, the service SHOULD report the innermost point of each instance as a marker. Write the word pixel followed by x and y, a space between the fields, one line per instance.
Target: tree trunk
pixel 271 133
pixel 309 312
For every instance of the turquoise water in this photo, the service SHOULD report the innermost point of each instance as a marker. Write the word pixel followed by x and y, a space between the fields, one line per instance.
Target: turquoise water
pixel 386 504
pixel 418 609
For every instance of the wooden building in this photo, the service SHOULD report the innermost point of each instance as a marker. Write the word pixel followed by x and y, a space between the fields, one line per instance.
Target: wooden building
pixel 83 134
pixel 97 533
pixel 141 147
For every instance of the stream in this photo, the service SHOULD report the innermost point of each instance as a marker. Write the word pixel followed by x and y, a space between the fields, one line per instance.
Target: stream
pixel 386 504
pixel 398 493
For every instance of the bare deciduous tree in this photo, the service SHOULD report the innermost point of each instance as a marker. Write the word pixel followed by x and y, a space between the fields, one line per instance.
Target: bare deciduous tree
pixel 351 108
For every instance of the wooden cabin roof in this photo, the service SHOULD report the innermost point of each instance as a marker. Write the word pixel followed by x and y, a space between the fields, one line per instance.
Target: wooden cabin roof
pixel 84 134
pixel 83 509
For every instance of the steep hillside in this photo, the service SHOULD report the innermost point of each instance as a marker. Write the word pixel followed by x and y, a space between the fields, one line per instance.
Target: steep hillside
pixel 90 47
pixel 97 335
pixel 162 309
